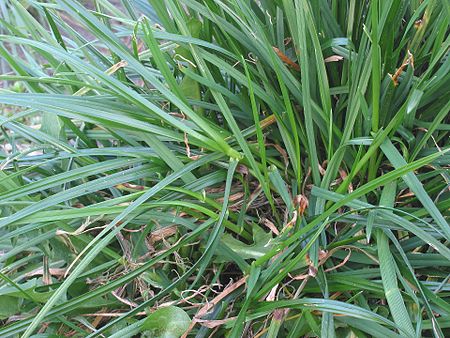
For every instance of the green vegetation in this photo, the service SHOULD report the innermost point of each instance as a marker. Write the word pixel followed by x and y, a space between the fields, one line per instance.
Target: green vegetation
pixel 271 168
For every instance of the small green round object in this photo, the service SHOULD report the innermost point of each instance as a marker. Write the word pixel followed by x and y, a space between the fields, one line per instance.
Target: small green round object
pixel 167 322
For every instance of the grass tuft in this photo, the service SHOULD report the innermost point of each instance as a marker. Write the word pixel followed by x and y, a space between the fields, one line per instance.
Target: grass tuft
pixel 219 168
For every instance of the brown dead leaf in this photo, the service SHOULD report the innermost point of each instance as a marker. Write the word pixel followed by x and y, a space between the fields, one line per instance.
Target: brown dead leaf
pixel 211 324
pixel 188 149
pixel 233 197
pixel 283 57
pixel 53 272
pixel 271 226
pixel 334 58
pixel 272 294
pixel 408 60
pixel 162 233
pixel 291 223
pixel 208 306
pixel 342 263
pixel 267 121
pixel 302 202
pixel 114 68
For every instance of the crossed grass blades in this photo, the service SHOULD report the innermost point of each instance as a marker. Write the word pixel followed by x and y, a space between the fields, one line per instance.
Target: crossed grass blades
pixel 225 168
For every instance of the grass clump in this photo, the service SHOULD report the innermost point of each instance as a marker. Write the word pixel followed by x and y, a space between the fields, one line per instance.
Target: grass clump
pixel 225 168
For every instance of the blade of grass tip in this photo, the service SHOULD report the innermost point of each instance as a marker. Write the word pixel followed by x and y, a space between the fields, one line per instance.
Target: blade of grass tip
pixel 54 29
pixel 370 221
pixel 416 186
pixel 389 271
pixel 107 234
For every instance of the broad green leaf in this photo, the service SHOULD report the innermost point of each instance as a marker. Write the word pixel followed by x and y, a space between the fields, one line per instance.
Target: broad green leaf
pixel 166 322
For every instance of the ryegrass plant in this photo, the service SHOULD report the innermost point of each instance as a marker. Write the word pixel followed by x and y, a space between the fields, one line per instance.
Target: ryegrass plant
pixel 225 168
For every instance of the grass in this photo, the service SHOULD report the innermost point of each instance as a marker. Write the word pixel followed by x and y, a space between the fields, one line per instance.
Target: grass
pixel 225 168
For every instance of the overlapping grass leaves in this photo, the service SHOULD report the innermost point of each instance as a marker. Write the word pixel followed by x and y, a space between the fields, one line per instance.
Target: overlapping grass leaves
pixel 153 160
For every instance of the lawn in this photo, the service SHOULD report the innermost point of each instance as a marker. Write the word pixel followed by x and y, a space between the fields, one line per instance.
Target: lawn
pixel 224 168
